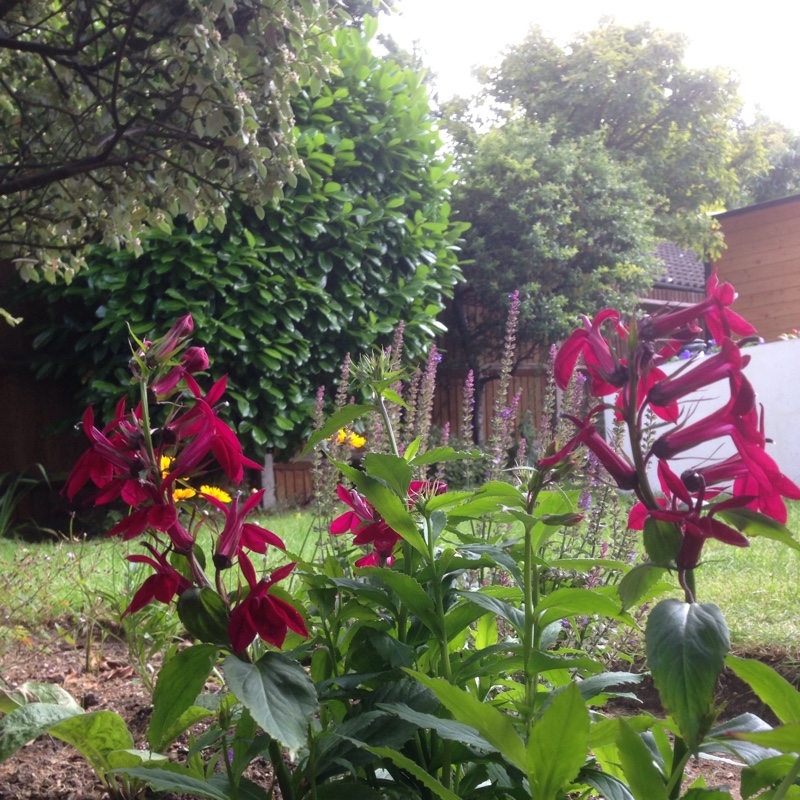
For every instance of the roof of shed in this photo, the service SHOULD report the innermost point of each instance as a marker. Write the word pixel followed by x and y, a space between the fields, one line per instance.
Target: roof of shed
pixel 683 269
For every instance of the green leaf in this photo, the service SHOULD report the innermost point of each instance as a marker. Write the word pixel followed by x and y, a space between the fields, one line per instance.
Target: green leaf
pixel 636 583
pixel 662 541
pixel 559 744
pixel 608 786
pixel 509 613
pixel 278 693
pixel 686 648
pixel 27 723
pixel 754 523
pixel 772 688
pixel 36 692
pixel 415 769
pixel 392 470
pixel 410 594
pixel 491 724
pixel 180 680
pixel 340 419
pixel 644 779
pixel 177 778
pixel 204 615
pixel 440 455
pixel 95 735
pixel 570 601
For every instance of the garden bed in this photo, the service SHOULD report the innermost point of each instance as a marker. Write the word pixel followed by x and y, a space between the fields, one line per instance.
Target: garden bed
pixel 51 770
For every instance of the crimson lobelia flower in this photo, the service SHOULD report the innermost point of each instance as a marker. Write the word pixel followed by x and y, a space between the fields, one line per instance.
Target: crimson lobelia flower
pixel 368 526
pixel 608 374
pixel 163 585
pixel 696 520
pixel 618 468
pixel 262 614
pixel 237 533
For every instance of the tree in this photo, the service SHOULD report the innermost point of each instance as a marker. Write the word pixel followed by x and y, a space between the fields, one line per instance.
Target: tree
pixel 363 241
pixel 677 126
pixel 557 219
pixel 782 146
pixel 120 115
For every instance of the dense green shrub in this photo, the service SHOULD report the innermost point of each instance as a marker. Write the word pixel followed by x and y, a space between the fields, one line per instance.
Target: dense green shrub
pixel 363 241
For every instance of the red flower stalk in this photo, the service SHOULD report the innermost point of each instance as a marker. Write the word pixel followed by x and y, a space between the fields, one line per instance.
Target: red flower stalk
pixel 262 614
pixel 680 507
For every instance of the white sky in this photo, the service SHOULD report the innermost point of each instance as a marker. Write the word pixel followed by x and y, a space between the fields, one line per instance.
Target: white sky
pixel 759 41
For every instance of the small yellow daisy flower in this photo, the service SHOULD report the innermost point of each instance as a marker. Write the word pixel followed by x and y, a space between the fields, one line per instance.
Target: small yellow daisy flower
pixel 214 491
pixel 356 440
pixel 183 494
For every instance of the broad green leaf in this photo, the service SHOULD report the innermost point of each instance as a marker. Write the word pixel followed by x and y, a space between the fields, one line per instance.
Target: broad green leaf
pixel 446 728
pixel 772 688
pixel 180 681
pixel 769 772
pixel 204 615
pixel 785 738
pixel 559 744
pixel 186 720
pixel 719 739
pixel 127 759
pixel 277 692
pixel 570 601
pixel 177 778
pixel 410 593
pixel 491 724
pixel 348 790
pixel 699 793
pixel 335 422
pixel 637 583
pixel 662 541
pixel 686 648
pixel 95 735
pixel 500 557
pixel 644 779
pixel 415 769
pixel 392 470
pixel 609 787
pixel 27 723
pixel 754 523
pixel 36 692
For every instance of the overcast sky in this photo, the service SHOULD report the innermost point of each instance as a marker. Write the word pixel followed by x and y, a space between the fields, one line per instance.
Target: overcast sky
pixel 759 41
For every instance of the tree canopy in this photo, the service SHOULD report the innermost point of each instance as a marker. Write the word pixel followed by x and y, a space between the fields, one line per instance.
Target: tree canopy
pixel 678 126
pixel 363 241
pixel 119 115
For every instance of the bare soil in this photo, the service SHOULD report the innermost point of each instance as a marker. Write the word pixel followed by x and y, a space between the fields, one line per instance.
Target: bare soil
pixel 48 769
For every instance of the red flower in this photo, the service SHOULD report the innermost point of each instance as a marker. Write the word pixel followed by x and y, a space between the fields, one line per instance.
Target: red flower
pixel 163 585
pixel 608 375
pixel 715 309
pixel 262 614
pixel 681 507
pixel 623 474
pixel 238 533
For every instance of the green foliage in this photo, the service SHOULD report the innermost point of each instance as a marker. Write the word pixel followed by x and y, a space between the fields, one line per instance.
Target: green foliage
pixel 560 221
pixel 363 241
pixel 678 127
pixel 118 116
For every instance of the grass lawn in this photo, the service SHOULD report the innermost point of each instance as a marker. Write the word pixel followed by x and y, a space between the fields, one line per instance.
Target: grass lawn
pixel 55 582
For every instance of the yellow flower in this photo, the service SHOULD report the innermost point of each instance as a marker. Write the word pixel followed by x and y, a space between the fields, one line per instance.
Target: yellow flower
pixel 165 464
pixel 183 494
pixel 356 440
pixel 346 436
pixel 214 491
pixel 341 436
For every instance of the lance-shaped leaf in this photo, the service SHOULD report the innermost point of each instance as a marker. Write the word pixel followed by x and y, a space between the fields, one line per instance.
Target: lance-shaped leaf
pixel 638 583
pixel 390 469
pixel 410 593
pixel 686 648
pixel 27 723
pixel 771 687
pixel 559 744
pixel 754 523
pixel 491 724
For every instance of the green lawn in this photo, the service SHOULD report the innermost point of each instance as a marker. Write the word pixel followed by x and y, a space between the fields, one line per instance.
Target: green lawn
pixel 47 583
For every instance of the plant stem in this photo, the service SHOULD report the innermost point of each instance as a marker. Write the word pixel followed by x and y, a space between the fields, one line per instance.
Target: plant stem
pixel 282 773
pixel 788 781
